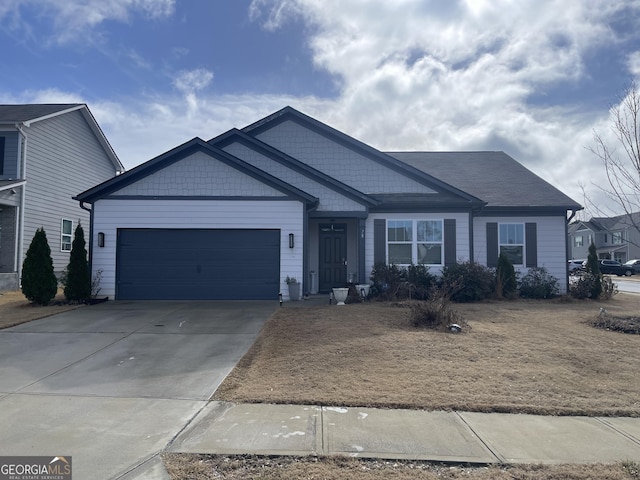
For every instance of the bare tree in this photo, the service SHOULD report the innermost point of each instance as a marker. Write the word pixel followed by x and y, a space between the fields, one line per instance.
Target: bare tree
pixel 622 158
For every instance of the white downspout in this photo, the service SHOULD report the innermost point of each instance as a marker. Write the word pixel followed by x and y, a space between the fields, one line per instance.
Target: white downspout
pixel 23 196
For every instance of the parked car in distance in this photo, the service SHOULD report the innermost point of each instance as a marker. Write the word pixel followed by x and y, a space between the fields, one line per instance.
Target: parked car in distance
pixel 633 265
pixel 575 265
pixel 612 267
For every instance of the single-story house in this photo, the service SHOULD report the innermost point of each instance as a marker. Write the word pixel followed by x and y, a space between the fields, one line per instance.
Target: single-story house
pixel 289 196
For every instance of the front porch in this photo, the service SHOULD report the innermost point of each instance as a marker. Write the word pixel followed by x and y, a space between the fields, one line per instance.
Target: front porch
pixel 335 253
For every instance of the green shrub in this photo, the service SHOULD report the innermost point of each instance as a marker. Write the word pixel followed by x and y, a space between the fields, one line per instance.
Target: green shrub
pixel 583 286
pixel 469 281
pixel 593 267
pixel 39 282
pixel 506 280
pixel 537 283
pixel 420 281
pixel 391 282
pixel 387 281
pixel 77 279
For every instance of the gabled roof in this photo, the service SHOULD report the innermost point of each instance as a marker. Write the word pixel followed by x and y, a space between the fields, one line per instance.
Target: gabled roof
pixel 291 114
pixel 616 223
pixel 235 135
pixel 11 114
pixel 494 177
pixel 186 149
pixel 28 114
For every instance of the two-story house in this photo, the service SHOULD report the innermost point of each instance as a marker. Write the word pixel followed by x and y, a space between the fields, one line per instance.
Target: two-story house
pixel 48 152
pixel 615 238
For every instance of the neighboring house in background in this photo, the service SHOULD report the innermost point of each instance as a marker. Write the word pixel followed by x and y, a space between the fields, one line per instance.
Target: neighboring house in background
pixel 615 238
pixel 48 152
pixel 290 196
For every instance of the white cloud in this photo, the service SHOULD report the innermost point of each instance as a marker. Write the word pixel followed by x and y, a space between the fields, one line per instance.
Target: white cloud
pixel 73 19
pixel 458 75
pixel 412 74
pixel 190 81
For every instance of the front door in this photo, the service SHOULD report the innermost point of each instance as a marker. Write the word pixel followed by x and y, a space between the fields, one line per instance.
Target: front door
pixel 333 256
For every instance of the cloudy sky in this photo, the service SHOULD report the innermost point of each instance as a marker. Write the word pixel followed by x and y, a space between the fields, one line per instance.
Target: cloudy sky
pixel 533 78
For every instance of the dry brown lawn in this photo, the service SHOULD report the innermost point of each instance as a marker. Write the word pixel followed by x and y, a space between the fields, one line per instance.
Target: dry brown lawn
pixel 524 356
pixel 520 356
pixel 209 467
pixel 16 309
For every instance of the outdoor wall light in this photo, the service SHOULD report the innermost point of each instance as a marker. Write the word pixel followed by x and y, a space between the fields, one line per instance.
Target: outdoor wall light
pixel 291 242
pixel 100 239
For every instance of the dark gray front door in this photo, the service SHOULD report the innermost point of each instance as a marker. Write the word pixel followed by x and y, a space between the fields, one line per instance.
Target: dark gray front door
pixel 197 264
pixel 333 256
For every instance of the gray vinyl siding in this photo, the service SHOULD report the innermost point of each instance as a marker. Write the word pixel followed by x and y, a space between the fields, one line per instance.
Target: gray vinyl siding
pixel 457 224
pixel 64 158
pixel 10 163
pixel 550 244
pixel 329 199
pixel 338 161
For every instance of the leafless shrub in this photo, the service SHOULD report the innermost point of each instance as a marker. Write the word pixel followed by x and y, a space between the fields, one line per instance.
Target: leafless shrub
pixel 437 312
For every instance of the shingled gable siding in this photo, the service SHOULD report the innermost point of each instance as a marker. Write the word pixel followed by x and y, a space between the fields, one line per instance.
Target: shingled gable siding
pixel 456 236
pixel 338 161
pixel 329 199
pixel 63 158
pixel 547 250
pixel 199 175
pixel 111 214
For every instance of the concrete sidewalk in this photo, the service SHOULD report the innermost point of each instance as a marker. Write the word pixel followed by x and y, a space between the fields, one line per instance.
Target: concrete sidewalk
pixel 225 428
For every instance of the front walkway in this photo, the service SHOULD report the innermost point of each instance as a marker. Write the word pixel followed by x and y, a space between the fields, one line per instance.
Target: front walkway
pixel 226 428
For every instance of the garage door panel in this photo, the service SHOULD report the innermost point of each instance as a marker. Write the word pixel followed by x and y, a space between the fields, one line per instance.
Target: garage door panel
pixel 198 264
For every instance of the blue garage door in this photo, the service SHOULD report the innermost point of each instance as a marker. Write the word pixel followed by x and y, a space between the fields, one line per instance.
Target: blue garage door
pixel 189 264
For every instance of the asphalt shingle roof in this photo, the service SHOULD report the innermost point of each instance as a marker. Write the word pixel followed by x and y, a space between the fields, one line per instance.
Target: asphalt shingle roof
pixel 24 113
pixel 494 177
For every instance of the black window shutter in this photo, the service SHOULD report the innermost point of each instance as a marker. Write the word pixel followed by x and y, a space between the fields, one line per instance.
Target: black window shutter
pixel 492 244
pixel 531 244
pixel 450 241
pixel 379 240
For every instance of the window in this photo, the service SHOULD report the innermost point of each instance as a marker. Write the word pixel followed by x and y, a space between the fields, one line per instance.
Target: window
pixel 511 242
pixel 400 238
pixel 578 241
pixel 66 235
pixel 616 238
pixel 414 242
pixel 429 242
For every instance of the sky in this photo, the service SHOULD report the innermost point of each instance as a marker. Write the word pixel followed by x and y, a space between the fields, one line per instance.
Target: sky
pixel 532 78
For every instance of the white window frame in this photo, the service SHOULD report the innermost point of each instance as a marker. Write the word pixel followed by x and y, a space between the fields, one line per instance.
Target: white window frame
pixel 513 242
pixel 577 243
pixel 617 238
pixel 65 238
pixel 413 241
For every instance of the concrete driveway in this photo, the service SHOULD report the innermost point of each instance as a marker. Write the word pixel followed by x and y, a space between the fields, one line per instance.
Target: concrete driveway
pixel 112 384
